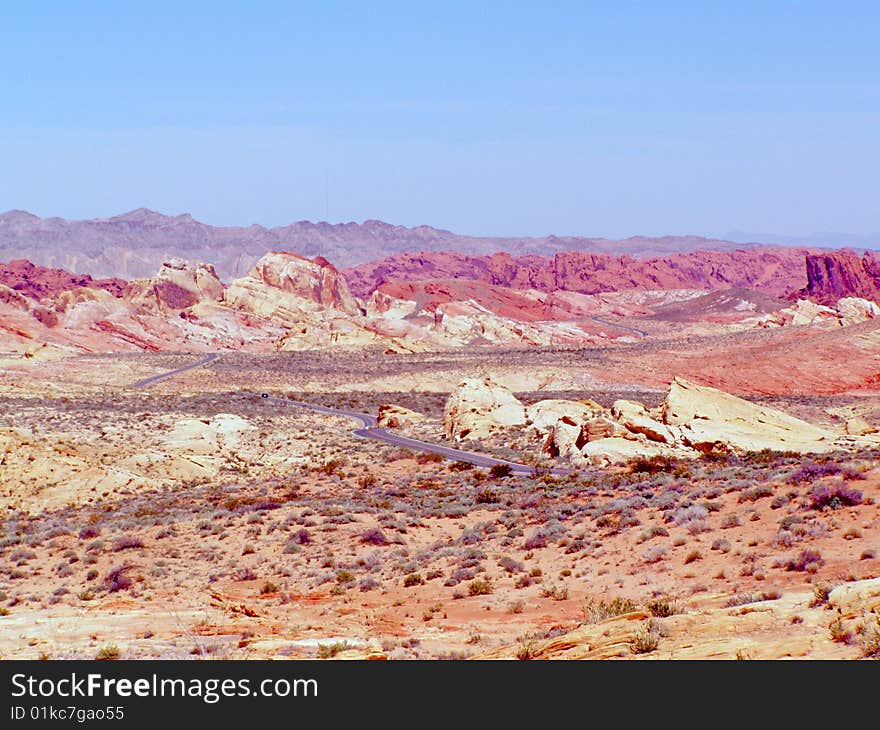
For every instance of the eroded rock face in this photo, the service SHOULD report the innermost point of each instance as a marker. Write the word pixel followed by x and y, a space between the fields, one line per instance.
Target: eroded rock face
pixel 693 419
pixel 708 417
pixel 393 416
pixel 478 406
pixel 634 417
pixel 177 285
pixel 316 281
pixel 544 414
pixel 291 290
pixel 832 276
pixel 847 311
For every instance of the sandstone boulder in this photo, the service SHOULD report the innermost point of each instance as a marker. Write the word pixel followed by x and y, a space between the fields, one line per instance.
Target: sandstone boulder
pixel 565 438
pixel 853 310
pixel 861 596
pixel 858 426
pixel 634 417
pixel 392 416
pixel 708 417
pixel 616 450
pixel 544 414
pixel 478 406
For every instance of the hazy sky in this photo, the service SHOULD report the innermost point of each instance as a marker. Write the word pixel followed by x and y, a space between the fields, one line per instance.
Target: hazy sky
pixel 606 118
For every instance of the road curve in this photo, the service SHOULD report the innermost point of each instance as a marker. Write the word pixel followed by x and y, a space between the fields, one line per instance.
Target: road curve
pixel 636 330
pixel 369 427
pixel 171 373
pixel 370 430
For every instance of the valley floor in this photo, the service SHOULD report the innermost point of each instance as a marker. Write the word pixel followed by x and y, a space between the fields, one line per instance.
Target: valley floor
pixel 189 519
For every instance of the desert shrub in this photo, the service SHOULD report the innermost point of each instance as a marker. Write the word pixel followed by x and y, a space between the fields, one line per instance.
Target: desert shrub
pixel 428 457
pixel 19 556
pixel 804 559
pixel 730 521
pixel 331 466
pixel 868 554
pixel 479 587
pixel 695 527
pixel 374 536
pixel 413 579
pixel 871 640
pixel 652 532
pixel 656 554
pixel 835 496
pixel 328 651
pixel 460 466
pixel 344 576
pixel 302 537
pixel 647 638
pixel 527 650
pixel 268 587
pixel 368 584
pixel 721 545
pixel 839 633
pixel 510 565
pixel 538 539
pixel 684 515
pixel 88 532
pixel 810 471
pixel 108 652
pixel 500 471
pixel 755 493
pixel 557 593
pixel 245 574
pixel 654 465
pixel 741 599
pixel 117 580
pixel 820 596
pixel 663 607
pixel 779 501
pixel 127 542
pixel 486 496
pixel 692 556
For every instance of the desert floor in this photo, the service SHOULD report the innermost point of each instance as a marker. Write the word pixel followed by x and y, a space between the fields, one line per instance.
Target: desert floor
pixel 193 519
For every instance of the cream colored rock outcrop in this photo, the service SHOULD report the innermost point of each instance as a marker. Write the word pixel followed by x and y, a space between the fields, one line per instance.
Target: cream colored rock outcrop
pixel 634 417
pixel 478 406
pixel 708 417
pixel 393 416
pixel 544 414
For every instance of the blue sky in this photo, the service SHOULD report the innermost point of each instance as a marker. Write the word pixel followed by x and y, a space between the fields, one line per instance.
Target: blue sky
pixel 603 118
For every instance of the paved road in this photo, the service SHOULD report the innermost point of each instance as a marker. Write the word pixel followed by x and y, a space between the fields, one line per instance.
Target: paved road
pixel 636 330
pixel 369 427
pixel 370 430
pixel 171 373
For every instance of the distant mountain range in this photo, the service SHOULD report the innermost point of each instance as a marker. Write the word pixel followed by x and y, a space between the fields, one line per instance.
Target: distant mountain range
pixel 134 244
pixel 858 241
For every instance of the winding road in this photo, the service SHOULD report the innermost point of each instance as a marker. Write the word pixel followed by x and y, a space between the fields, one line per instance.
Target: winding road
pixel 636 330
pixel 369 426
pixel 171 373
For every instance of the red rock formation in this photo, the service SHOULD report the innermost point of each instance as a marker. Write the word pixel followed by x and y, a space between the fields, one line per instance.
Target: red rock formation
pixel 771 270
pixel 38 282
pixel 831 276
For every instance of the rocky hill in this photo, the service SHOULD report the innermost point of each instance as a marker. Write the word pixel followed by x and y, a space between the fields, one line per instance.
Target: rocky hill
pixel 37 282
pixel 774 271
pixel 134 245
pixel 831 276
